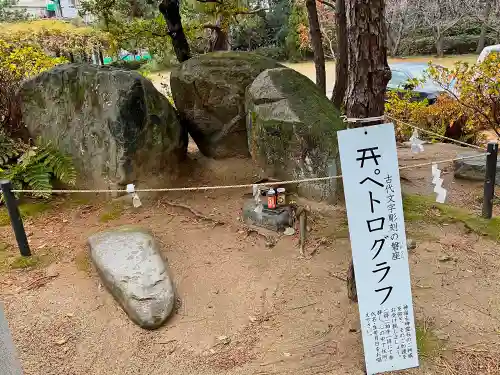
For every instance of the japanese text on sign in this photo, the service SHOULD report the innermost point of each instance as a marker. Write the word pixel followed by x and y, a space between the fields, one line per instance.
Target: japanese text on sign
pixel 376 225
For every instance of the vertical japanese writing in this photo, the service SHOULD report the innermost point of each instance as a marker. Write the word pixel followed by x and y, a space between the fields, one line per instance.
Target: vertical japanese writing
pixel 394 236
pixel 374 223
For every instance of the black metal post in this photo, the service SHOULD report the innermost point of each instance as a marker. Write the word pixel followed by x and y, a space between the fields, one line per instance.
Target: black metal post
pixel 489 180
pixel 15 218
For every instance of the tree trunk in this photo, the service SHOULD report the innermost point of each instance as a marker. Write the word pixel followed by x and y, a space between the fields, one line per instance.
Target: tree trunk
pixel 368 71
pixel 439 42
pixel 390 39
pixel 317 44
pixel 484 27
pixel 101 56
pixel 171 13
pixel 341 61
pixel 219 39
pixel 396 43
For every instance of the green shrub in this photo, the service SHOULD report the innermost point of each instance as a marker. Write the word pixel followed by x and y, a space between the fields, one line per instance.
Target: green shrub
pixel 457 44
pixel 128 65
pixel 276 53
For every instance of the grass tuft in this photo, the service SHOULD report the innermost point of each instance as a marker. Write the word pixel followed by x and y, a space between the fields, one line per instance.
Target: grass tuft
pixel 24 262
pixel 111 212
pixel 83 262
pixel 429 346
pixel 26 210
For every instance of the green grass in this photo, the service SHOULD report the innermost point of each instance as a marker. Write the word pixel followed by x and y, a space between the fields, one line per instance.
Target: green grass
pixel 111 212
pixel 425 209
pixel 27 210
pixel 35 261
pixel 429 346
pixel 25 262
pixel 9 258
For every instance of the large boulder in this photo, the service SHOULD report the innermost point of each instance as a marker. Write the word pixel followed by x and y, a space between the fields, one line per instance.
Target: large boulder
pixel 473 168
pixel 292 131
pixel 209 93
pixel 129 263
pixel 114 123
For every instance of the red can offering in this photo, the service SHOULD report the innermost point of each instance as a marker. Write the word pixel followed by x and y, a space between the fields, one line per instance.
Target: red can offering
pixel 271 198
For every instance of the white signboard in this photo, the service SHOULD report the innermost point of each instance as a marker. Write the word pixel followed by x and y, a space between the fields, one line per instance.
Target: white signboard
pixel 376 225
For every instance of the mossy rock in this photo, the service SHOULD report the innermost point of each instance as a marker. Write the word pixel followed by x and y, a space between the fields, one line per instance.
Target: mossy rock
pixel 118 128
pixel 292 131
pixel 209 93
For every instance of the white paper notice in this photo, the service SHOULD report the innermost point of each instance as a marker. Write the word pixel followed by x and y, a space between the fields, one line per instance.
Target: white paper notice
pixel 376 226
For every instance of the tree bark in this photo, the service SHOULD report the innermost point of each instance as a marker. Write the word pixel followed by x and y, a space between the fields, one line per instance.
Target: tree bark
pixel 438 36
pixel 219 39
pixel 171 13
pixel 341 61
pixel 484 27
pixel 397 42
pixel 368 72
pixel 317 44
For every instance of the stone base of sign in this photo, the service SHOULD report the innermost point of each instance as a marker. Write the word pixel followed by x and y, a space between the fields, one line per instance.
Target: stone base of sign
pixel 277 219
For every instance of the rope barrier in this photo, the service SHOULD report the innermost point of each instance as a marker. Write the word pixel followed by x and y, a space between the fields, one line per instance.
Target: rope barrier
pixel 435 134
pixel 198 188
pixel 442 161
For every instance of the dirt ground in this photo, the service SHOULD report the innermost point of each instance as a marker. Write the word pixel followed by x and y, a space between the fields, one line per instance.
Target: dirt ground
pixel 246 307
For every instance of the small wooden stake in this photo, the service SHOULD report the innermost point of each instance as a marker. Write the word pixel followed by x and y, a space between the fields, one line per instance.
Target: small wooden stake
pixel 303 231
pixel 489 180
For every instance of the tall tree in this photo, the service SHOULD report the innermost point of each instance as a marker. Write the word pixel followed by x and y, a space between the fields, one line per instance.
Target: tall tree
pixel 171 12
pixel 341 61
pixel 484 18
pixel 317 44
pixel 440 16
pixel 368 70
pixel 398 21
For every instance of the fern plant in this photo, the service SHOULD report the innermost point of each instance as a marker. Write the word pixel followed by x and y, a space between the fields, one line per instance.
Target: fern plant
pixel 37 167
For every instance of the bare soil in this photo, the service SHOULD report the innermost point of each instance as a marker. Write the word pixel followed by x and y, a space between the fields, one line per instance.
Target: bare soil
pixel 246 307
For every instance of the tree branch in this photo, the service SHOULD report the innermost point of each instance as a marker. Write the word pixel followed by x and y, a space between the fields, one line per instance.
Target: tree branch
pixel 453 23
pixel 210 26
pixel 251 11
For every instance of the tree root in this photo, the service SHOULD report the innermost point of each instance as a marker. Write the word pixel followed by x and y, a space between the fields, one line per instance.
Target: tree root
pixel 193 212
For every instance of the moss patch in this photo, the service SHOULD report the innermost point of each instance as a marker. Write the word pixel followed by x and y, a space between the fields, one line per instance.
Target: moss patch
pixel 429 346
pixel 24 262
pixel 423 208
pixel 26 209
pixel 83 262
pixel 111 212
pixel 38 260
